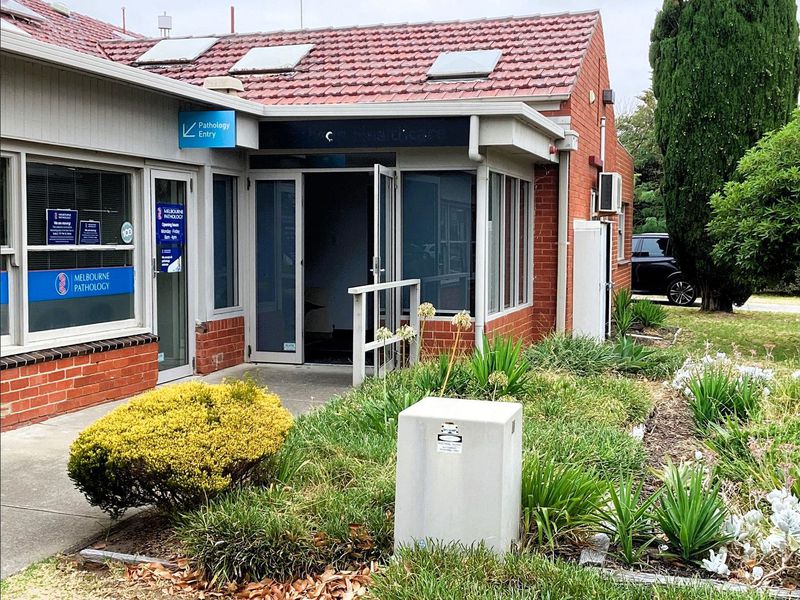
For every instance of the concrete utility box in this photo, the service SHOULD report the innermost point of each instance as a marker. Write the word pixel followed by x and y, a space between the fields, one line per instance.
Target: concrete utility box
pixel 459 472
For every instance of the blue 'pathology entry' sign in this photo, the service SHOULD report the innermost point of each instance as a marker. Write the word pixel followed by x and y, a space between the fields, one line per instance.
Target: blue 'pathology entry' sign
pixel 207 129
pixel 62 227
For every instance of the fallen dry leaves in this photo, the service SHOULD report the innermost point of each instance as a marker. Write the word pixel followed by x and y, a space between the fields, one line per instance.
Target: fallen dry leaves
pixel 186 581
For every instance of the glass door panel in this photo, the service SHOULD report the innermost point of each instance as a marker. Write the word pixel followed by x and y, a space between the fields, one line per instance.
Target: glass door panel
pixel 278 272
pixel 385 303
pixel 171 273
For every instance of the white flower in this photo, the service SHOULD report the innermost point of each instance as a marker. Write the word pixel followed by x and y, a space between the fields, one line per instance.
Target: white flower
pixel 426 310
pixel 383 334
pixel 637 432
pixel 498 379
pixel 781 500
pixel 796 374
pixel 733 527
pixel 754 516
pixel 774 541
pixel 748 552
pixel 766 392
pixel 698 456
pixel 406 333
pixel 715 563
pixel 462 321
pixel 787 521
pixel 758 573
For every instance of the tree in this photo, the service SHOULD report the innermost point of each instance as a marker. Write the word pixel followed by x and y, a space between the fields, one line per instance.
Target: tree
pixel 724 73
pixel 756 217
pixel 637 132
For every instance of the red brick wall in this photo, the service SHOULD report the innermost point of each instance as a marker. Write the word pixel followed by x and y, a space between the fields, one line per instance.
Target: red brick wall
pixel 220 344
pixel 439 335
pixel 34 392
pixel 585 119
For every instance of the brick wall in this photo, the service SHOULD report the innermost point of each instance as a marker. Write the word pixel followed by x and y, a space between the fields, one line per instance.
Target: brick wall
pixel 585 119
pixel 439 335
pixel 36 391
pixel 220 344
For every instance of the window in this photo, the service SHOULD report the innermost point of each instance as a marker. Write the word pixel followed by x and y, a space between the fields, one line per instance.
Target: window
pixel 271 59
pixel 226 261
pixel 179 50
pixel 468 64
pixel 621 233
pixel 509 242
pixel 80 247
pixel 5 248
pixel 652 247
pixel 439 237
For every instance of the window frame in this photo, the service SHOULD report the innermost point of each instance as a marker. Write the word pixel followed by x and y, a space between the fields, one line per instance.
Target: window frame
pixel 240 225
pixel 621 231
pixel 10 250
pixel 27 340
pixel 516 227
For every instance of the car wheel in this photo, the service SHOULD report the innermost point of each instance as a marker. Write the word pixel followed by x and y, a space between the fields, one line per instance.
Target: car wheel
pixel 681 293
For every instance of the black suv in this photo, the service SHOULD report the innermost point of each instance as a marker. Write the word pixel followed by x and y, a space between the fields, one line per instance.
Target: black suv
pixel 655 270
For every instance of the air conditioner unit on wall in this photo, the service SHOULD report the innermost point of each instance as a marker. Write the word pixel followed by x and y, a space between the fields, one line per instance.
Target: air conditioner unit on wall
pixel 610 192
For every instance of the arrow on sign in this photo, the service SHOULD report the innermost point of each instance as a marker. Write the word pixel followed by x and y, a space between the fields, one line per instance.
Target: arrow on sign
pixel 186 132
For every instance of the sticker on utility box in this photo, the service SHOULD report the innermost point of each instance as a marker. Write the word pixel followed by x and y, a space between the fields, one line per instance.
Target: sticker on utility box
pixel 449 440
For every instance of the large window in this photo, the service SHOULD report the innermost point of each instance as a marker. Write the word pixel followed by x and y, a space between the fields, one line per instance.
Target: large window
pixel 509 242
pixel 80 247
pixel 226 281
pixel 439 237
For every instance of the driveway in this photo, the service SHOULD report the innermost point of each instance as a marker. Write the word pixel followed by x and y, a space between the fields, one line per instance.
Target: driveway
pixel 790 305
pixel 41 512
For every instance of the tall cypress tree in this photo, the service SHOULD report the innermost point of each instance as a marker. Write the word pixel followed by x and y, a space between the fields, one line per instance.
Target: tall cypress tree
pixel 724 72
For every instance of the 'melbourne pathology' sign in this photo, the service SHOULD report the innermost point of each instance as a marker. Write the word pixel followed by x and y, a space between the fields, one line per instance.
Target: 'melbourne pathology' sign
pixel 64 284
pixel 207 129
pixel 364 133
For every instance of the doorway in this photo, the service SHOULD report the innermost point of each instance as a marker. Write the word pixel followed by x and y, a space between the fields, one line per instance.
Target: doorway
pixel 339 247
pixel 173 283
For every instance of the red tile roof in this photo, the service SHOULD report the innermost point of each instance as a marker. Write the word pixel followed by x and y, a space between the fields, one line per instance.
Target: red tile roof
pixel 76 31
pixel 389 63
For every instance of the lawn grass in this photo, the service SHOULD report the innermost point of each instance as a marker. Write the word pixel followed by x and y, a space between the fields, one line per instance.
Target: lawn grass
pixel 332 501
pixel 748 330
pixel 477 574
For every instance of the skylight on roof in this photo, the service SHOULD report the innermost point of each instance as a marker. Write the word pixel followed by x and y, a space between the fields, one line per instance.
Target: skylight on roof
pixel 464 65
pixel 271 59
pixel 12 7
pixel 176 50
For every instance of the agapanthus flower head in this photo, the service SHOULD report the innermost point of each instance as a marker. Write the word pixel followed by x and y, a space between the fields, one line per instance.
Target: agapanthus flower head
pixel 383 334
pixel 426 310
pixel 498 379
pixel 462 321
pixel 406 333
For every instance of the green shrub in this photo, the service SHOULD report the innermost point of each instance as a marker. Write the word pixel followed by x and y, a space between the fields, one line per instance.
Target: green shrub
pixel 718 394
pixel 648 313
pixel 622 313
pixel 578 355
pixel 557 498
pixel 626 519
pixel 501 356
pixel 177 445
pixel 430 376
pixel 690 514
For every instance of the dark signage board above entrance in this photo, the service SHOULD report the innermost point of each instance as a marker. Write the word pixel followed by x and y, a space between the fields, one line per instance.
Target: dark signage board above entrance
pixel 363 133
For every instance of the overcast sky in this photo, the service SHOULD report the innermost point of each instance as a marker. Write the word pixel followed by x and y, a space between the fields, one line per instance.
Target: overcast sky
pixel 627 23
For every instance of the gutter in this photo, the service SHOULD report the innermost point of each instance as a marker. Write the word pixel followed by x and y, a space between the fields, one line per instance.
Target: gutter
pixel 481 217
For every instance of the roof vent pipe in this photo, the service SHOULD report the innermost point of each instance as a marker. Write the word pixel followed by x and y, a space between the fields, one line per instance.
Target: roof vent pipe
pixel 474 138
pixel 164 24
pixel 225 84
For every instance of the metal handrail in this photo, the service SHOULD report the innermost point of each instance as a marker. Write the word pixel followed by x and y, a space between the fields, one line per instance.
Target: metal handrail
pixel 360 344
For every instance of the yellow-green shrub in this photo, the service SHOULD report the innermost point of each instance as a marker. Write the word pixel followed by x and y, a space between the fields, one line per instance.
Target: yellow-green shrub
pixel 177 445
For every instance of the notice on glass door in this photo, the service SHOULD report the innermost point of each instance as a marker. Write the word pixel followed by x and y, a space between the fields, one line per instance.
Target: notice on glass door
pixel 170 223
pixel 170 260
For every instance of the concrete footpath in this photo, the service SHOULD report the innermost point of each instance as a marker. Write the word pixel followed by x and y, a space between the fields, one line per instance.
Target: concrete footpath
pixel 41 512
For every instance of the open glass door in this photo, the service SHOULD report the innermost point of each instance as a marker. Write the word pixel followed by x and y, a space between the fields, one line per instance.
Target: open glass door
pixel 385 309
pixel 173 279
pixel 278 271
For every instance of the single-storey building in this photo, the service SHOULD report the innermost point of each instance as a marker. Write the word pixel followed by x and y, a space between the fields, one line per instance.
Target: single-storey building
pixel 181 205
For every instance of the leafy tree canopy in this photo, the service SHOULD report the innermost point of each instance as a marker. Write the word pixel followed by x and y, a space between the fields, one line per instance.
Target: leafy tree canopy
pixel 724 73
pixel 756 218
